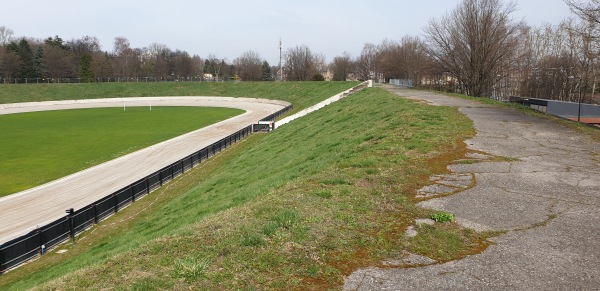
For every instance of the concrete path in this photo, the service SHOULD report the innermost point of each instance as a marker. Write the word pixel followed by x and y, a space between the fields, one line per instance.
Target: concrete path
pixel 24 211
pixel 547 199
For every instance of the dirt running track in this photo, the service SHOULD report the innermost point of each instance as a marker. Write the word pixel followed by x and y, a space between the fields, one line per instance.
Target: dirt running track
pixel 24 211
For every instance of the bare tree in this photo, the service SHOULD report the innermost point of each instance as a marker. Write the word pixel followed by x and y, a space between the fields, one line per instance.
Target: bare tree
pixel 180 63
pixel 471 43
pixel 414 58
pixel 406 59
pixel 589 13
pixel 10 64
pixel 365 63
pixel 554 62
pixel 5 35
pixel 388 59
pixel 588 10
pixel 83 49
pixel 341 66
pixel 154 60
pixel 249 66
pixel 301 63
pixel 57 62
pixel 87 45
pixel 197 66
pixel 215 66
pixel 126 61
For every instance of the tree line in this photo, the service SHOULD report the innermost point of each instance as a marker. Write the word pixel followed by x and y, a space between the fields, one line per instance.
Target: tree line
pixel 479 49
pixel 476 49
pixel 82 59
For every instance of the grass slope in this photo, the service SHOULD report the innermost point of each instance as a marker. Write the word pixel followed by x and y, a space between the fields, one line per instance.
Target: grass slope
pixel 297 208
pixel 39 147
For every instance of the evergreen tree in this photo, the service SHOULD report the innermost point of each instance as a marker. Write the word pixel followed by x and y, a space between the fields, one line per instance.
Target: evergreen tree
pixel 266 73
pixel 57 42
pixel 318 77
pixel 23 50
pixel 38 62
pixel 85 69
pixel 26 54
pixel 209 68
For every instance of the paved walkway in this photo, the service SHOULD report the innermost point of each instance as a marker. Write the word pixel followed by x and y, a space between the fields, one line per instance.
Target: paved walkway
pixel 22 212
pixel 547 199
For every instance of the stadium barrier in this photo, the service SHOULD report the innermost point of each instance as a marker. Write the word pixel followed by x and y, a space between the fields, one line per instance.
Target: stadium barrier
pixel 22 249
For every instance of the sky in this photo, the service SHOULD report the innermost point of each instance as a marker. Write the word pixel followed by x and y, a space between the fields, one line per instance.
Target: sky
pixel 227 29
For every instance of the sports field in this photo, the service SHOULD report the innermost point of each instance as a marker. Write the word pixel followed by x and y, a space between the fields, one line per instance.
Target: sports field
pixel 39 147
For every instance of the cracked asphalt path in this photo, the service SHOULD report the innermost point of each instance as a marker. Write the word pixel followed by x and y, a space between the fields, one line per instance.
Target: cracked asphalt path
pixel 546 198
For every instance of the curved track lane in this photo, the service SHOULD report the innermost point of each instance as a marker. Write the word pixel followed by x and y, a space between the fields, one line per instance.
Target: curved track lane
pixel 24 211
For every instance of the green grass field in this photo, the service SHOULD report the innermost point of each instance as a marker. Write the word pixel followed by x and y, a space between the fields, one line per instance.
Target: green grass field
pixel 39 147
pixel 297 208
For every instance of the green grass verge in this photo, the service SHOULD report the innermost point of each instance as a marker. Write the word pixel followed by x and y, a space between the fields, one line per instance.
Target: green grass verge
pixel 297 208
pixel 39 147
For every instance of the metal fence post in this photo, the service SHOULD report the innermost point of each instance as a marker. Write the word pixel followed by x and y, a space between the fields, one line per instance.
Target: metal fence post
pixel 1 261
pixel 116 203
pixel 40 240
pixel 95 213
pixel 70 219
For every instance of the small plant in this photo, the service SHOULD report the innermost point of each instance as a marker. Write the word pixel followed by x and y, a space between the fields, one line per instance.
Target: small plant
pixel 189 268
pixel 270 228
pixel 323 194
pixel 287 218
pixel 442 216
pixel 252 240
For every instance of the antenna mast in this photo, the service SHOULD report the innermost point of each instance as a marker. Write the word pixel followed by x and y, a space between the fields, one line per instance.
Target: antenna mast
pixel 280 70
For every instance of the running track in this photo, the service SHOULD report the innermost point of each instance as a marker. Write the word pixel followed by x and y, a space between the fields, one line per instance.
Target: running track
pixel 22 212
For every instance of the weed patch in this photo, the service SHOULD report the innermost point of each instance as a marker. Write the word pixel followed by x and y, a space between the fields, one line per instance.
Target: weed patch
pixel 442 216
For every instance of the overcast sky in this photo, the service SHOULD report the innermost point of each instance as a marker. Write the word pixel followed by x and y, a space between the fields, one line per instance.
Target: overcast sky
pixel 227 28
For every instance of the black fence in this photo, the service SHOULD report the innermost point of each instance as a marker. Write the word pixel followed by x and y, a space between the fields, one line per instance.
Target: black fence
pixel 19 250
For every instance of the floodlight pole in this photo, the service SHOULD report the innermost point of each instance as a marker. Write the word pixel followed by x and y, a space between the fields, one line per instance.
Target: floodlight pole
pixel 280 70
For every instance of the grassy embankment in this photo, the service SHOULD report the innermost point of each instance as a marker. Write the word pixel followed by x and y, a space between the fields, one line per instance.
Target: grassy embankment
pixel 296 208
